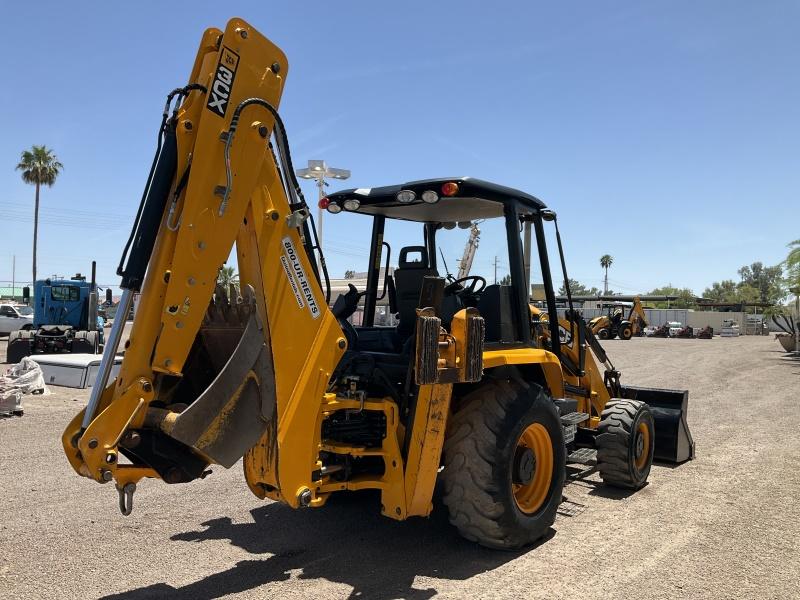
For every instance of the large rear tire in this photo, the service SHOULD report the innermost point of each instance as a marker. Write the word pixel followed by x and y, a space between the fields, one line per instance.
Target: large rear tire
pixel 625 331
pixel 504 465
pixel 625 442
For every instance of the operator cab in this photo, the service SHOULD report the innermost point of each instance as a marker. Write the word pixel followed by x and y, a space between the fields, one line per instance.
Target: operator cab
pixel 422 277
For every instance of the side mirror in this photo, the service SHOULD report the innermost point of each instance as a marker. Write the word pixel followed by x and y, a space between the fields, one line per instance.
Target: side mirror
pixel 26 294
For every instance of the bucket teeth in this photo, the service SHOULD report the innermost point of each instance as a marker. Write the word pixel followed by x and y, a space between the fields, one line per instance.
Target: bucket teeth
pixel 224 323
pixel 231 379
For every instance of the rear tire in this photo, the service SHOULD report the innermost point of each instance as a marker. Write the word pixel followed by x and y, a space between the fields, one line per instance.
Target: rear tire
pixel 504 465
pixel 625 442
pixel 625 331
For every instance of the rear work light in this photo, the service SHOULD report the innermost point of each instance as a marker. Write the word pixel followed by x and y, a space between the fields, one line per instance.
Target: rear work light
pixel 406 196
pixel 334 208
pixel 430 197
pixel 450 188
pixel 352 204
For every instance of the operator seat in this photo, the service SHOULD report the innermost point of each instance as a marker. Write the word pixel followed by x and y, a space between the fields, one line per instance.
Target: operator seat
pixel 413 266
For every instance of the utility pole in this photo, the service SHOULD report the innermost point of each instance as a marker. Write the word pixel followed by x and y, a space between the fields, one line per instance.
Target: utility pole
pixel 13 277
pixel 495 269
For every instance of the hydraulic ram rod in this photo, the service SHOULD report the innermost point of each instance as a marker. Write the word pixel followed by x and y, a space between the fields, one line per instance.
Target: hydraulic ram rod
pixel 109 352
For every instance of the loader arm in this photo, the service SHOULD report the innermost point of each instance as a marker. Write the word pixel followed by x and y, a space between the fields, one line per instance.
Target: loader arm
pixel 205 377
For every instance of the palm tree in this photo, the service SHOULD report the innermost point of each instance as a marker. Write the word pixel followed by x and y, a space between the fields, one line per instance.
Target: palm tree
pixel 605 262
pixel 793 260
pixel 39 167
pixel 793 266
pixel 227 276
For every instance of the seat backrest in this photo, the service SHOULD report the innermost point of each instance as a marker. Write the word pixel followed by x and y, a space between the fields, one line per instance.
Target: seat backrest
pixel 413 267
pixel 495 308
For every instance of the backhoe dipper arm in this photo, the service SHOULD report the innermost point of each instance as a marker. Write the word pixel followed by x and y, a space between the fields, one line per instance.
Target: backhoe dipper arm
pixel 198 381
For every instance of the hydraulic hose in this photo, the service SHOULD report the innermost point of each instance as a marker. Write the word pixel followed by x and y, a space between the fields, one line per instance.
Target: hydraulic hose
pixel 297 200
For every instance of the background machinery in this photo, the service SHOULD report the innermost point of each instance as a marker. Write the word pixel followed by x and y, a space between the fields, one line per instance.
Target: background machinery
pixel 473 378
pixel 465 264
pixel 614 323
pixel 64 319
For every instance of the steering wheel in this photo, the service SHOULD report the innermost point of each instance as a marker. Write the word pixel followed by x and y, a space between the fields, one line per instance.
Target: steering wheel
pixel 458 287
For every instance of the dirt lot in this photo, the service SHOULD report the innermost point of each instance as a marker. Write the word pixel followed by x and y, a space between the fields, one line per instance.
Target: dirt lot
pixel 726 525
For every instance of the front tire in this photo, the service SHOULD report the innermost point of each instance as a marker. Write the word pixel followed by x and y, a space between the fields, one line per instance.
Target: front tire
pixel 504 465
pixel 604 334
pixel 625 442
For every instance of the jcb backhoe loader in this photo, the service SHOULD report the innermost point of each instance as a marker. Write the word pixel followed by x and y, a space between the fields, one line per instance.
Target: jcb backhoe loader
pixel 614 324
pixel 473 379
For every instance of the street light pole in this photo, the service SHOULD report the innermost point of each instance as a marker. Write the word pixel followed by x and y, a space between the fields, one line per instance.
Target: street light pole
pixel 319 171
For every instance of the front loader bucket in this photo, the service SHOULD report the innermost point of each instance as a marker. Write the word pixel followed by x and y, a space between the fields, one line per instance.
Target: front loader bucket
pixel 673 441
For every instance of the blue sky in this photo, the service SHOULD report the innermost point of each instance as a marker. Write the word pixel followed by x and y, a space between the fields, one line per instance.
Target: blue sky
pixel 664 134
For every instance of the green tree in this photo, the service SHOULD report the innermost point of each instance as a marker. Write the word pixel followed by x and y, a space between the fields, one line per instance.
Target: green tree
pixel 747 294
pixel 767 280
pixel 792 264
pixel 605 261
pixel 721 291
pixel 505 280
pixel 349 274
pixel 793 260
pixel 39 167
pixel 227 276
pixel 685 296
pixel 577 289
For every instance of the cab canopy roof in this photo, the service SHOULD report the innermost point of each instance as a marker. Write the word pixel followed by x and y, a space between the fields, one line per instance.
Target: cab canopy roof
pixel 472 199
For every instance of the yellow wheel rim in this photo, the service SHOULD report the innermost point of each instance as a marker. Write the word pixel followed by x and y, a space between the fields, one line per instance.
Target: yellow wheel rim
pixel 531 496
pixel 642 445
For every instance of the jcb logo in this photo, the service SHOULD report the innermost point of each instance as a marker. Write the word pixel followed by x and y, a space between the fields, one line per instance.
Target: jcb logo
pixel 220 92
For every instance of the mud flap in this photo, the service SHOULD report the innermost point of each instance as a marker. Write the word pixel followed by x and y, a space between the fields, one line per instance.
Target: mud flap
pixel 232 414
pixel 673 441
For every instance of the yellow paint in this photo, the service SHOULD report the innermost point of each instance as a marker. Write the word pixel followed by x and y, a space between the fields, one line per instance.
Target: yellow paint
pixel 640 460
pixel 530 496
pixel 425 449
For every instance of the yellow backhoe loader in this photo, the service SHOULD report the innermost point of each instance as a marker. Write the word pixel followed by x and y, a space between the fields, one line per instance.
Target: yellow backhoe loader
pixel 615 324
pixel 473 386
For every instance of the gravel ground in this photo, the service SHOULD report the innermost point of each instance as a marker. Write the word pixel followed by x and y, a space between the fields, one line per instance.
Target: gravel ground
pixel 723 526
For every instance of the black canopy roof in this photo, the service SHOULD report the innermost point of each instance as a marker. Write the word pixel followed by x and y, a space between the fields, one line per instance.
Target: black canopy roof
pixel 475 199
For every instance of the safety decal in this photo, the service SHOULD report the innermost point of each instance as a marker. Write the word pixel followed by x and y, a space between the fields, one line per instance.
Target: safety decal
pixel 220 91
pixel 294 270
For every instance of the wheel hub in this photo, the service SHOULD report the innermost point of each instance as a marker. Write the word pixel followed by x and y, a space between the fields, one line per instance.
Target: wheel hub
pixel 639 444
pixel 524 465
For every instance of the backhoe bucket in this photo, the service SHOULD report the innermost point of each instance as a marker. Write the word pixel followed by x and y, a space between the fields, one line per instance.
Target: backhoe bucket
pixel 234 411
pixel 673 441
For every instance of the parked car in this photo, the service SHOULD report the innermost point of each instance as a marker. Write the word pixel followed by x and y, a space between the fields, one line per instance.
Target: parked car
pixel 674 328
pixel 650 330
pixel 13 318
